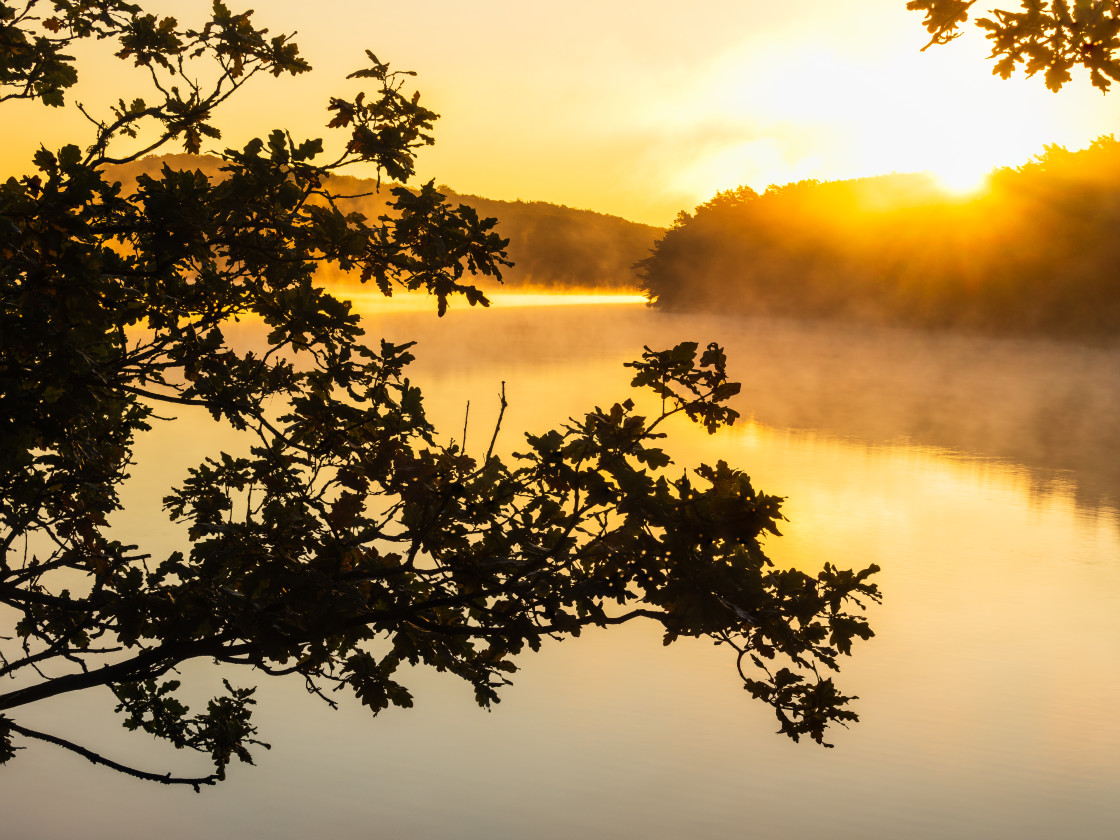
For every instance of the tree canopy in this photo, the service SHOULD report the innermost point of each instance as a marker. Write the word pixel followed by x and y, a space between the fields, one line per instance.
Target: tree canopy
pixel 1051 37
pixel 349 539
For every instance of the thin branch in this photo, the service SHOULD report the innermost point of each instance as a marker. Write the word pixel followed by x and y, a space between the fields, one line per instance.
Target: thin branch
pixel 165 779
pixel 466 417
pixel 497 426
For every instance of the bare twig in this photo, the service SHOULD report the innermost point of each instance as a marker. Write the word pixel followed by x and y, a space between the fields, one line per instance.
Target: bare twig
pixel 164 779
pixel 497 426
pixel 466 417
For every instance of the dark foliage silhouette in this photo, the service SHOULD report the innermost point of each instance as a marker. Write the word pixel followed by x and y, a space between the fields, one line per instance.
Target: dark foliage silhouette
pixel 1051 37
pixel 347 540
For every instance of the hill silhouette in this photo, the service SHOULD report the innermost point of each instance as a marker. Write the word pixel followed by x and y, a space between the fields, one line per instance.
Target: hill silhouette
pixel 552 246
pixel 1035 253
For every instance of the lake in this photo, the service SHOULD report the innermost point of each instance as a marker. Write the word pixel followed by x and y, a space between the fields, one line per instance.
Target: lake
pixel 980 474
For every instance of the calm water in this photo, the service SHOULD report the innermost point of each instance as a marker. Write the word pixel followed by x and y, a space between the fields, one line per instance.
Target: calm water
pixel 981 475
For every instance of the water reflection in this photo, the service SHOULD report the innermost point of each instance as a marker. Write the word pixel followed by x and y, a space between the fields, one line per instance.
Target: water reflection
pixel 1048 407
pixel 987 696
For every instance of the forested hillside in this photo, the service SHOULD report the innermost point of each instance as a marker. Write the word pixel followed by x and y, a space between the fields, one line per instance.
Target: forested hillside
pixel 551 246
pixel 1036 252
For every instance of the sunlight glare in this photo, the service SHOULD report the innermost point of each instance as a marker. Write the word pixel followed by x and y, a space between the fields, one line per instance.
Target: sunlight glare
pixel 962 180
pixel 816 111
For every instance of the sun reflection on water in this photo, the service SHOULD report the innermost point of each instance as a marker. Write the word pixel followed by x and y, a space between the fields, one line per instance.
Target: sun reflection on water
pixel 371 301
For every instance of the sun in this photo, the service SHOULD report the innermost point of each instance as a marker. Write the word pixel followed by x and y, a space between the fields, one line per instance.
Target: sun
pixel 961 179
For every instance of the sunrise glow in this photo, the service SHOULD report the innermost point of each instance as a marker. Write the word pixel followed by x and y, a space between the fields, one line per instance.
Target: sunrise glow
pixel 643 118
pixel 368 300
pixel 961 181
pixel 361 353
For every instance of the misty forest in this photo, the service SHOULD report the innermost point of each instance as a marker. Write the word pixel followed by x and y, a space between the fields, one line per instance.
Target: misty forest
pixel 333 498
pixel 1033 254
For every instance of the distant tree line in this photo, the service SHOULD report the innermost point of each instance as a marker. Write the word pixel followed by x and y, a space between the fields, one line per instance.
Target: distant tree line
pixel 1036 252
pixel 557 247
pixel 551 246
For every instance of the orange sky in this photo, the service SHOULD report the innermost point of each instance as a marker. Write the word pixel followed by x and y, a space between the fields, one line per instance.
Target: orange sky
pixel 642 110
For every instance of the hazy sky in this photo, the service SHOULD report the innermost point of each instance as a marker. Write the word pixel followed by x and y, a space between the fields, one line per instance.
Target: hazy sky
pixel 642 110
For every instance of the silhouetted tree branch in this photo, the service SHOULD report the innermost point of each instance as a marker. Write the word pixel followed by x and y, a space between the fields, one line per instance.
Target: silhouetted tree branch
pixel 1046 36
pixel 7 726
pixel 345 540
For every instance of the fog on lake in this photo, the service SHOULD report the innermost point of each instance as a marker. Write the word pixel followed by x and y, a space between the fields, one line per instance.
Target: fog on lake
pixel 978 473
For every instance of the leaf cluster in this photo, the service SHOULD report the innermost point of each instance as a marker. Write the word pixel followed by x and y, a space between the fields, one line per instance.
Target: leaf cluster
pixel 1050 37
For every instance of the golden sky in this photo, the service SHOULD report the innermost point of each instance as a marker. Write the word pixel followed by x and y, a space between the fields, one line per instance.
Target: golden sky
pixel 642 110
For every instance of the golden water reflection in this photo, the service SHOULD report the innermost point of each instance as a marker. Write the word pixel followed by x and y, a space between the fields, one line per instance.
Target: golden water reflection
pixel 987 696
pixel 369 301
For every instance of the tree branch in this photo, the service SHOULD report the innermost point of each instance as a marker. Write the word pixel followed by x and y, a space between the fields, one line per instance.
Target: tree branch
pixel 165 779
pixel 147 664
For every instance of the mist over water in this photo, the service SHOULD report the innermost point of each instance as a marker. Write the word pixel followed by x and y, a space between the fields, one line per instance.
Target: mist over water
pixel 976 472
pixel 1050 408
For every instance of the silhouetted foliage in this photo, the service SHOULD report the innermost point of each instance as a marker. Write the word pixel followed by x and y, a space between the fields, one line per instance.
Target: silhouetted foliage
pixel 1046 36
pixel 1034 253
pixel 346 541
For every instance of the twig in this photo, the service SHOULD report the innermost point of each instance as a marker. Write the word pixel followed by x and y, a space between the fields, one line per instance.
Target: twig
pixel 466 417
pixel 498 425
pixel 165 779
